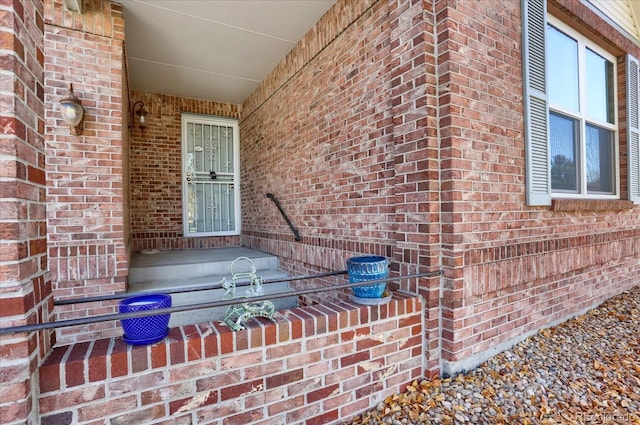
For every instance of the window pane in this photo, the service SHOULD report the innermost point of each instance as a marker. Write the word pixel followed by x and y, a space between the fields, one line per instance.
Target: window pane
pixel 599 160
pixel 562 78
pixel 564 152
pixel 599 87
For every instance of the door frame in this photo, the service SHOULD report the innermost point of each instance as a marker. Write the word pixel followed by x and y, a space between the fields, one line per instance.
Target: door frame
pixel 210 120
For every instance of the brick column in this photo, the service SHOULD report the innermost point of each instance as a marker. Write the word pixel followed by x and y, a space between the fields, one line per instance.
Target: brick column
pixel 417 181
pixel 25 294
pixel 87 220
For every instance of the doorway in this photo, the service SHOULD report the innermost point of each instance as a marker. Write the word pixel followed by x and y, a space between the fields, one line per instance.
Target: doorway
pixel 210 176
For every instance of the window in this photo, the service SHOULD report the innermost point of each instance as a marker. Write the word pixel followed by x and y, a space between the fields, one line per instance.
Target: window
pixel 582 120
pixel 571 120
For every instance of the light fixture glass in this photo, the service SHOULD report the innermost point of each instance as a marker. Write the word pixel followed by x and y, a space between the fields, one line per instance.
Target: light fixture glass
pixel 141 113
pixel 73 5
pixel 72 112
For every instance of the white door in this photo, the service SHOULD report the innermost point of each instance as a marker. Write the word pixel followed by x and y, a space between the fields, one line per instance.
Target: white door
pixel 210 176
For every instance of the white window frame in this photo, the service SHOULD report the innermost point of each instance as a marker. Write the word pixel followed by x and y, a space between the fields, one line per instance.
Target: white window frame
pixel 581 116
pixel 536 112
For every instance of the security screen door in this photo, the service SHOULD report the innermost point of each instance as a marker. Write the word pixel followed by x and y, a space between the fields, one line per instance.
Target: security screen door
pixel 210 176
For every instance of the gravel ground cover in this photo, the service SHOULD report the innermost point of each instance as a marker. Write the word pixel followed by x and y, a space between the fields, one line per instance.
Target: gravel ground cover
pixel 583 371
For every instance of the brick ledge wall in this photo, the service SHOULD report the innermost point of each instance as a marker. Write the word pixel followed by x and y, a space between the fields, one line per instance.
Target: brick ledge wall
pixel 314 365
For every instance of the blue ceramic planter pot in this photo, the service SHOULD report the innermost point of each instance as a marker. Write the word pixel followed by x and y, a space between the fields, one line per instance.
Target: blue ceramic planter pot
pixel 148 329
pixel 365 268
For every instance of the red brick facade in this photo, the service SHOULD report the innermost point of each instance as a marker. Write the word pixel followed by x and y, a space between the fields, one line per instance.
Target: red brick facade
pixel 354 163
pixel 511 269
pixel 395 127
pixel 421 157
pixel 86 218
pixel 314 365
pixel 25 294
pixel 156 179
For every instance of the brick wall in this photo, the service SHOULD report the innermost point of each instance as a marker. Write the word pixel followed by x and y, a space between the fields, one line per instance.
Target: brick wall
pixel 511 269
pixel 348 144
pixel 321 143
pixel 314 365
pixel 85 174
pixel 403 136
pixel 416 149
pixel 395 128
pixel 25 296
pixel 347 157
pixel 156 176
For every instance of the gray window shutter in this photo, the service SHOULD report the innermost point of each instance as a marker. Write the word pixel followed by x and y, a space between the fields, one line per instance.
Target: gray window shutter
pixel 633 128
pixel 536 116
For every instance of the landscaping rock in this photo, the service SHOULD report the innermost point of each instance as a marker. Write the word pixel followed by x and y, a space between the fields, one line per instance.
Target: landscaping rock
pixel 586 370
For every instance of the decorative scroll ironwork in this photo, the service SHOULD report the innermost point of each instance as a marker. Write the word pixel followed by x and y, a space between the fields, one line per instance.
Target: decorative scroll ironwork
pixel 237 314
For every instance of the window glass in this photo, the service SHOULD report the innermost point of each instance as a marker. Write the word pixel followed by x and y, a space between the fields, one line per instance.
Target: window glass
pixel 563 132
pixel 599 87
pixel 582 118
pixel 599 160
pixel 562 75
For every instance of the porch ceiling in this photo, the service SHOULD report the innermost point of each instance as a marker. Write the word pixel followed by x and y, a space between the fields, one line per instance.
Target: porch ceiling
pixel 216 50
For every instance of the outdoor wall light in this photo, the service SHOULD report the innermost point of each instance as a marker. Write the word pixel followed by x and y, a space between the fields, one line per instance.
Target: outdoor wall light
pixel 73 5
pixel 72 112
pixel 141 113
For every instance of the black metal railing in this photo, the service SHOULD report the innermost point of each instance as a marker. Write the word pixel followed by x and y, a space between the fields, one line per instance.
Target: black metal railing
pixel 198 306
pixel 239 284
pixel 296 234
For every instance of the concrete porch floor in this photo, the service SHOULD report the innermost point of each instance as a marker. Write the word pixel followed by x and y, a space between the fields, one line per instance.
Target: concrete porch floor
pixel 197 268
pixel 193 256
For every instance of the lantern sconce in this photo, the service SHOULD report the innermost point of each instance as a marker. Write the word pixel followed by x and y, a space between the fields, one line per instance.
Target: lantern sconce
pixel 72 112
pixel 73 5
pixel 141 113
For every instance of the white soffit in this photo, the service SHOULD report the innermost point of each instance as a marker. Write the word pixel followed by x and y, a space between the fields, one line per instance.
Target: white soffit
pixel 212 49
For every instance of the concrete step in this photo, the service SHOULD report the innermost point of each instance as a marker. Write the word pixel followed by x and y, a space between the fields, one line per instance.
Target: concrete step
pixel 193 269
pixel 195 263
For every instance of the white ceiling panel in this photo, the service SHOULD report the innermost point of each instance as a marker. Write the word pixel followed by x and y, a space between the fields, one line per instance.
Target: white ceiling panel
pixel 188 82
pixel 212 49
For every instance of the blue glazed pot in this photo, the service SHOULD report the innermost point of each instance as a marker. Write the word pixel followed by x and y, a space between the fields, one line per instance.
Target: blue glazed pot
pixel 148 329
pixel 365 268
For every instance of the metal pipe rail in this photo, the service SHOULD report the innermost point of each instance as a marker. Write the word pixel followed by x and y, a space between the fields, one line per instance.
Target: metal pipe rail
pixel 123 295
pixel 198 306
pixel 296 234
